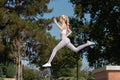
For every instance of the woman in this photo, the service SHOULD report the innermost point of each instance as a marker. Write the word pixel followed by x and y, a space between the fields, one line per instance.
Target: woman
pixel 65 32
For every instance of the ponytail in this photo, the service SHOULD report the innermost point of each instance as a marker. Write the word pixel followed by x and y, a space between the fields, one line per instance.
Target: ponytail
pixel 67 22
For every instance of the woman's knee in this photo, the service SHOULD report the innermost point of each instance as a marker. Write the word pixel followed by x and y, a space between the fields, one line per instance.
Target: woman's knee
pixel 75 50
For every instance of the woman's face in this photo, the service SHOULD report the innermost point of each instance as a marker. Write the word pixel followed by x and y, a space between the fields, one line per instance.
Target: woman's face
pixel 60 19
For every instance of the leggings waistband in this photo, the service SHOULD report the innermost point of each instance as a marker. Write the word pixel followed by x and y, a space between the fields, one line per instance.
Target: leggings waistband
pixel 63 37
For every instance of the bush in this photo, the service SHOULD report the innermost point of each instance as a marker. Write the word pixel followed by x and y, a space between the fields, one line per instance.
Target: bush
pixel 66 78
pixel 1 78
pixel 30 74
pixel 11 70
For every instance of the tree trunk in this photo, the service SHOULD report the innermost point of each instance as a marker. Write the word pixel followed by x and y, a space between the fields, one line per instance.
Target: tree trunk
pixel 17 2
pixel 16 68
pixel 77 69
pixel 19 67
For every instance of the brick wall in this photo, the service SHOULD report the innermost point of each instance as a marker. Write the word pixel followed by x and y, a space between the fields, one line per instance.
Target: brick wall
pixel 101 75
pixel 114 75
pixel 107 73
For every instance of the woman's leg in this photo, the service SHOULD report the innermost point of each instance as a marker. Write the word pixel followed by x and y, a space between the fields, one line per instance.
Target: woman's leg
pixel 59 46
pixel 72 47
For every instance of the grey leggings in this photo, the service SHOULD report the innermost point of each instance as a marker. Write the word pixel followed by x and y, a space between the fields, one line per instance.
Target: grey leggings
pixel 66 42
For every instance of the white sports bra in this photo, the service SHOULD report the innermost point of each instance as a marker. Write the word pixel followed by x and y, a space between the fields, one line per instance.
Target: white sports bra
pixel 64 31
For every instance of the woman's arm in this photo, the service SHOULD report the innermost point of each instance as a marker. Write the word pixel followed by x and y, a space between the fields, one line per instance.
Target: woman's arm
pixel 69 32
pixel 55 21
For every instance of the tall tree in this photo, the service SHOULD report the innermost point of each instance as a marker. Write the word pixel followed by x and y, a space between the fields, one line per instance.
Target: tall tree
pixel 21 31
pixel 103 28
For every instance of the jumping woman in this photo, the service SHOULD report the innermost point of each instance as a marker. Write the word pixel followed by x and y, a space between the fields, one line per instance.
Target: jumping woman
pixel 65 32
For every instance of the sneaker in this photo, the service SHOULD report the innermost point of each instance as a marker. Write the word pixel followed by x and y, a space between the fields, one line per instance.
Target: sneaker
pixel 90 43
pixel 47 65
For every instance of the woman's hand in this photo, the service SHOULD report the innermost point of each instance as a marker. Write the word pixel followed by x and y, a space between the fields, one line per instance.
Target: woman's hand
pixel 69 32
pixel 54 20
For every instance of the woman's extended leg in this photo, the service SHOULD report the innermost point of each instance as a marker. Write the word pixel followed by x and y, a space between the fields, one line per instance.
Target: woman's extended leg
pixel 72 47
pixel 59 46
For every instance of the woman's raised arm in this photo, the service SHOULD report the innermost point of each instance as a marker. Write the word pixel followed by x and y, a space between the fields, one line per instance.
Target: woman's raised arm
pixel 58 25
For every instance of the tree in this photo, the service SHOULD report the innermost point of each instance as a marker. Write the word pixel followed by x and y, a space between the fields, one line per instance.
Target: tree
pixel 21 33
pixel 103 29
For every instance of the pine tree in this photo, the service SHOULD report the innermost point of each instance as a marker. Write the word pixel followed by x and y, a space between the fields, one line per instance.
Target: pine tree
pixel 22 32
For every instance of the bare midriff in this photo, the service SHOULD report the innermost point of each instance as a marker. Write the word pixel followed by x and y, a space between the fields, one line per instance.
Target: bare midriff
pixel 63 35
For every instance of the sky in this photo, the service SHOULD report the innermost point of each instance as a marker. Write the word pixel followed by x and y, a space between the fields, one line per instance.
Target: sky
pixel 61 7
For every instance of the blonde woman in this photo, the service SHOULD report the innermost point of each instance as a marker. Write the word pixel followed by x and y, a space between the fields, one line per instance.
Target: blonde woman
pixel 65 32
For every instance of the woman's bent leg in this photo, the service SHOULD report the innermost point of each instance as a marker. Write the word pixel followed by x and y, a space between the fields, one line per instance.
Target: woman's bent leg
pixel 72 47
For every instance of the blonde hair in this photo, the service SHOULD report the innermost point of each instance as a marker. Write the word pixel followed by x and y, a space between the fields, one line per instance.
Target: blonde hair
pixel 66 19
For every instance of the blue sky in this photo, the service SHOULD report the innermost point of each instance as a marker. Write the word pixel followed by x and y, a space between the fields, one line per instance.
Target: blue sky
pixel 61 7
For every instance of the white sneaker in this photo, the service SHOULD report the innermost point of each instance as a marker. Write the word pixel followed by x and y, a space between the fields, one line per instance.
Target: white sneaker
pixel 47 65
pixel 90 43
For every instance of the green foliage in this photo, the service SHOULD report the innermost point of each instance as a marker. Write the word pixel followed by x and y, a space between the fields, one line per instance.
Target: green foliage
pixel 17 26
pixel 2 48
pixel 21 31
pixel 66 78
pixel 63 63
pixel 47 79
pixel 103 28
pixel 30 74
pixel 82 78
pixel 7 70
pixel 1 78
pixel 65 72
pixel 2 2
pixel 90 76
pixel 11 71
pixel 33 7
